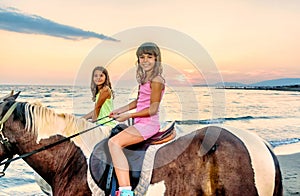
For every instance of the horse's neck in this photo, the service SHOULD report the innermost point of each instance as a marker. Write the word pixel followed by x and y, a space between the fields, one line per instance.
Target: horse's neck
pixel 63 166
pixel 56 163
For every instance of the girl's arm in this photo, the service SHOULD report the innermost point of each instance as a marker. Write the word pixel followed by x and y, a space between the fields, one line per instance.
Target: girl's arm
pixel 104 94
pixel 125 108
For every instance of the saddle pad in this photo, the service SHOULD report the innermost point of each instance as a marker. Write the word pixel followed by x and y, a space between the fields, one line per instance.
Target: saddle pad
pixel 98 162
pixel 139 158
pixel 101 165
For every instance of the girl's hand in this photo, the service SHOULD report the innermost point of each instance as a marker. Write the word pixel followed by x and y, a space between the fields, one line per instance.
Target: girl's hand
pixel 114 113
pixel 122 117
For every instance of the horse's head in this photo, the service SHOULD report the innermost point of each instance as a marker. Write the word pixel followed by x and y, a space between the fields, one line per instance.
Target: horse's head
pixel 5 103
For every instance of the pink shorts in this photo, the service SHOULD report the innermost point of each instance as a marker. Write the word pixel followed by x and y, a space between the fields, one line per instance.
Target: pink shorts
pixel 148 129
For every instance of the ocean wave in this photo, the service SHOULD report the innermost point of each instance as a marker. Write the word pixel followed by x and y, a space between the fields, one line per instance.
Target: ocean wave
pixel 275 143
pixel 222 120
pixel 29 96
pixel 26 189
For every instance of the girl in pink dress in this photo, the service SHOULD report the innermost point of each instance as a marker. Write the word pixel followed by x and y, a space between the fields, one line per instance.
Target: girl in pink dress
pixel 146 116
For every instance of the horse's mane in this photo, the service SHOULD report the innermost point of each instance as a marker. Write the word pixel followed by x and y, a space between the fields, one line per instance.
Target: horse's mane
pixel 42 122
pixel 40 119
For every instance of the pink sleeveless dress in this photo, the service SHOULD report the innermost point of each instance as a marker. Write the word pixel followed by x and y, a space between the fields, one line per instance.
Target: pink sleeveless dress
pixel 147 126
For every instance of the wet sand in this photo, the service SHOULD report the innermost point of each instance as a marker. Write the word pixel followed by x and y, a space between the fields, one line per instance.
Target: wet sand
pixel 289 160
pixel 290 171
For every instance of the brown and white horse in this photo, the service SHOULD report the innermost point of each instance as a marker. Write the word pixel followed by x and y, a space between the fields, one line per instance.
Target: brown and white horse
pixel 208 161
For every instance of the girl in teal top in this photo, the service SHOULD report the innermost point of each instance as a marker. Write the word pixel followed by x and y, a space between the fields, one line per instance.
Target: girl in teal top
pixel 102 96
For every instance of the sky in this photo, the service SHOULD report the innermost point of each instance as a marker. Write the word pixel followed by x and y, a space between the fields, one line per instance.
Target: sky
pixel 49 41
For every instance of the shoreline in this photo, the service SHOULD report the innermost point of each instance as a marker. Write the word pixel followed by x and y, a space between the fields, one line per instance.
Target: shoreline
pixel 287 149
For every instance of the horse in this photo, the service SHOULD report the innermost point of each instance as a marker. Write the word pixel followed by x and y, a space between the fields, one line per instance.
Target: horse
pixel 212 160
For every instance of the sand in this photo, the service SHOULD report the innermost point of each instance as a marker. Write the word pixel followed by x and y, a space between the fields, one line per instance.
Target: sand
pixel 289 160
pixel 290 171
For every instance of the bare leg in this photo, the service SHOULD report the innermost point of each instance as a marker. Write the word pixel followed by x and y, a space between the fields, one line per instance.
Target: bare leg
pixel 116 144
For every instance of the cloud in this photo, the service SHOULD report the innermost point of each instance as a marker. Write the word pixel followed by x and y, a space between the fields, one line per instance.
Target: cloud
pixel 13 20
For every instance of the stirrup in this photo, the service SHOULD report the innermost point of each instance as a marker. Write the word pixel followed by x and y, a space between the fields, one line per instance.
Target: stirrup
pixel 124 193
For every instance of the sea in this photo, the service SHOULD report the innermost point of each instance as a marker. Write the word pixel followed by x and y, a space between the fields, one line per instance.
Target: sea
pixel 273 115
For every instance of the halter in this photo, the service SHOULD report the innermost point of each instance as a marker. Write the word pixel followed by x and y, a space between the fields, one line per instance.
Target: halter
pixel 4 140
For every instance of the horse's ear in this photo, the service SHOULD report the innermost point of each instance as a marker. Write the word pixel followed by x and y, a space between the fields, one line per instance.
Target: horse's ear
pixel 11 96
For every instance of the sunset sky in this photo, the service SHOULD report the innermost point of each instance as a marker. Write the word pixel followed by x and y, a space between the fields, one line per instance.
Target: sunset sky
pixel 46 42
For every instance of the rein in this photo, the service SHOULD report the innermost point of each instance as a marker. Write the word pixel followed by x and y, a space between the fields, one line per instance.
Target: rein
pixel 7 144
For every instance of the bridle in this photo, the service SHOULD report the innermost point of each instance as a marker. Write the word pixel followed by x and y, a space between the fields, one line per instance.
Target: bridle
pixel 4 140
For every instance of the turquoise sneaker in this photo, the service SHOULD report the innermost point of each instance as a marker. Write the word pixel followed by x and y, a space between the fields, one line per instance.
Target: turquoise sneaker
pixel 124 193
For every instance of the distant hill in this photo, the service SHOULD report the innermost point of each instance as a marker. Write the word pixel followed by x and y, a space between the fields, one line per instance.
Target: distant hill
pixel 278 82
pixel 265 83
pixel 271 83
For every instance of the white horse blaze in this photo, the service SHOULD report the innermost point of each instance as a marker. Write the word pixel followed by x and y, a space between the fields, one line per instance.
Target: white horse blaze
pixel 261 160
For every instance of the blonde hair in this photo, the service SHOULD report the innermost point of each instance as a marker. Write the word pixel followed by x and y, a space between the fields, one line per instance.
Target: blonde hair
pixel 107 82
pixel 152 49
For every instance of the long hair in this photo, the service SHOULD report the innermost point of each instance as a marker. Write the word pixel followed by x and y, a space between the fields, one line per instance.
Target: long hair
pixel 152 49
pixel 107 82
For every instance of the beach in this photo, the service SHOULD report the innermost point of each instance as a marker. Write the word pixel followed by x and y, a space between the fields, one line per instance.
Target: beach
pixel 290 169
pixel 261 112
